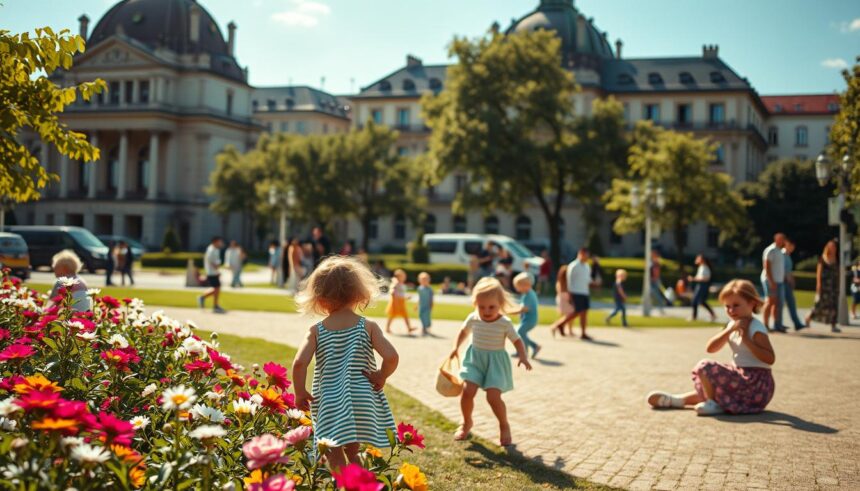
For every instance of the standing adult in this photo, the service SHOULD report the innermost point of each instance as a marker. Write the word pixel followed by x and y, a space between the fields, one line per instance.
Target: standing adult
pixel 827 288
pixel 233 258
pixel 486 257
pixel 294 253
pixel 701 285
pixel 274 260
pixel 128 267
pixel 773 281
pixel 544 273
pixel 789 285
pixel 578 284
pixel 212 263
pixel 321 245
pixel 505 269
pixel 109 264
pixel 655 270
pixel 596 271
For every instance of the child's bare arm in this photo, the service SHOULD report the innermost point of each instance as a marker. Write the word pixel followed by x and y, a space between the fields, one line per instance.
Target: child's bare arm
pixel 521 354
pixel 717 342
pixel 461 337
pixel 389 355
pixel 760 346
pixel 300 369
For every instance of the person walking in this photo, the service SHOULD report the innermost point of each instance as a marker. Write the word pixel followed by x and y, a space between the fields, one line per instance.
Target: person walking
pixel 234 260
pixel 654 269
pixel 110 264
pixel 620 298
pixel 212 263
pixel 773 281
pixel 562 299
pixel 128 267
pixel 826 288
pixel 486 258
pixel 578 284
pixel 274 258
pixel 544 273
pixel 320 244
pixel 702 284
pixel 790 301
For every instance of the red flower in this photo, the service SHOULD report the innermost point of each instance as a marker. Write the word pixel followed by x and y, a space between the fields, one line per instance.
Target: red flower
pixel 23 340
pixel 38 400
pixel 11 381
pixel 355 478
pixel 408 435
pixel 113 429
pixel 76 410
pixel 109 301
pixel 4 334
pixel 199 366
pixel 217 358
pixel 17 352
pixel 277 375
pixel 121 358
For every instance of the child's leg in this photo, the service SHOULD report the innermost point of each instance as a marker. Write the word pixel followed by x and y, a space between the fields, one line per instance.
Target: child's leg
pixel 494 397
pixel 523 331
pixel 707 388
pixel 467 405
pixel 336 458
pixel 408 324
pixel 623 315
pixel 388 324
pixel 351 452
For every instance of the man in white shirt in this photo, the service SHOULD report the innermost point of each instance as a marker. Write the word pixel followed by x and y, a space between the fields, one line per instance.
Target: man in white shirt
pixel 578 285
pixel 211 263
pixel 773 281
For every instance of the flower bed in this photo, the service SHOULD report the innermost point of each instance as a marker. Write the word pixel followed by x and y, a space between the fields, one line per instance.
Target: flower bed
pixel 120 399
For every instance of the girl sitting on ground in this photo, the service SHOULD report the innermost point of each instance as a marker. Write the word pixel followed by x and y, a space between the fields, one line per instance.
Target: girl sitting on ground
pixel 743 387
pixel 486 364
pixel 343 344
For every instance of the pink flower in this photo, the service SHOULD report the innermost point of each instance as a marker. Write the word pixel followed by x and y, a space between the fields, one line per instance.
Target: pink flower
pixel 298 435
pixel 355 478
pixel 264 450
pixel 277 375
pixel 109 301
pixel 4 334
pixel 17 352
pixel 217 358
pixel 199 366
pixel 408 435
pixel 277 482
pixel 38 400
pixel 120 357
pixel 113 429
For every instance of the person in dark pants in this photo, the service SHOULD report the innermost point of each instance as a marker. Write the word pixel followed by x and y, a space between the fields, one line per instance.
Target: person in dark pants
pixel 702 283
pixel 320 244
pixel 128 264
pixel 109 264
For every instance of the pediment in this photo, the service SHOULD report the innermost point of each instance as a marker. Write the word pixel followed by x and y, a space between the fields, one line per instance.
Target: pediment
pixel 115 53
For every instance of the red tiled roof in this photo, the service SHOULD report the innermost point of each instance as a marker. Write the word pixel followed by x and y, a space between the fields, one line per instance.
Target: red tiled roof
pixel 801 104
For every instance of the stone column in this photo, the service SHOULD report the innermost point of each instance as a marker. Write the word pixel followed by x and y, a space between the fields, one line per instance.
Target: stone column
pixel 153 90
pixel 135 93
pixel 93 185
pixel 152 191
pixel 122 165
pixel 64 176
pixel 121 93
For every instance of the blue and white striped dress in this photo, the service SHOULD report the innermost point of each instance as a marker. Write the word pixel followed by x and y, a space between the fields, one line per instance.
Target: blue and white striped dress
pixel 346 409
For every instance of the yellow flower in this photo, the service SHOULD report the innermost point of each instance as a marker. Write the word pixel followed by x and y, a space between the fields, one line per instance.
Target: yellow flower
pixel 373 451
pixel 256 477
pixel 413 477
pixel 297 479
pixel 37 382
pixel 137 476
pixel 306 422
pixel 69 426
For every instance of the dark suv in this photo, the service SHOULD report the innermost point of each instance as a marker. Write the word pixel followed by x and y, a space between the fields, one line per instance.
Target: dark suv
pixel 45 241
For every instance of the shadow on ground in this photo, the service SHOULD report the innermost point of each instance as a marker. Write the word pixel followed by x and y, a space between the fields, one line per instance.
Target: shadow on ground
pixel 539 472
pixel 780 419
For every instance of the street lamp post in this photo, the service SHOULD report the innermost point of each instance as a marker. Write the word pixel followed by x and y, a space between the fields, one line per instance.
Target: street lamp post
pixel 649 200
pixel 288 201
pixel 823 171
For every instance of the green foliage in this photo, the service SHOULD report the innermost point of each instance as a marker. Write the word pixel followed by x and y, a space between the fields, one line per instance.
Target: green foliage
pixel 171 259
pixel 507 119
pixel 680 163
pixel 28 99
pixel 418 252
pixel 845 132
pixel 234 181
pixel 170 241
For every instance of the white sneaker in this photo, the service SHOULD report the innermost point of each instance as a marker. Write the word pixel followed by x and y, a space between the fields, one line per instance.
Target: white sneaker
pixel 708 408
pixel 663 400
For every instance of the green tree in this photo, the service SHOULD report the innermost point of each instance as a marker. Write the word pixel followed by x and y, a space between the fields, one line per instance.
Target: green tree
pixel 845 132
pixel 681 164
pixel 233 183
pixel 787 198
pixel 507 119
pixel 28 99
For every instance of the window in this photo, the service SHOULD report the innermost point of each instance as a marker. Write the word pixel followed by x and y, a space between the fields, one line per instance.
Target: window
pixel 403 118
pixel 442 246
pixel 717 113
pixel 408 84
pixel 459 183
pixel 435 84
pixel 801 136
pixel 399 227
pixel 720 155
pixel 254 104
pixel 798 107
pixel 229 103
pixel 112 177
pixel 385 85
pixel 113 93
pixel 491 225
pixel 143 169
pixel 625 79
pixel 285 126
pixel 685 115
pixel 832 107
pixel 271 104
pixel 717 77
pixel 402 151
pixel 713 237
pixel 655 78
pixel 773 136
pixel 289 103
pixel 651 112
pixel 523 228
pixel 129 92
pixel 376 115
pixel 777 108
pixel 686 78
pixel 473 247
pixel 626 111
pixel 144 91
pixel 373 229
pixel 83 176
pixel 301 127
pixel 801 157
pixel 459 224
pixel 430 224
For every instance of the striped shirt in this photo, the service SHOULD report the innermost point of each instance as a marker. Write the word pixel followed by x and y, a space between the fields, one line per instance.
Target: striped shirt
pixel 490 335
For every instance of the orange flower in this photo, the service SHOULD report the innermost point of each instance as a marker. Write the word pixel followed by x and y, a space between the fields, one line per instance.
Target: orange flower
pixel 306 421
pixel 36 382
pixel 137 474
pixel 413 477
pixel 66 426
pixel 256 477
pixel 236 378
pixel 373 451
pixel 272 400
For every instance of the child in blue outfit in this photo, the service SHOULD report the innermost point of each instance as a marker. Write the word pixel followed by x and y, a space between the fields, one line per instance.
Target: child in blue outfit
pixel 620 297
pixel 425 301
pixel 528 312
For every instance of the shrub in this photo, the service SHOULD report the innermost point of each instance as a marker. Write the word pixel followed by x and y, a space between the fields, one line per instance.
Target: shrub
pixel 171 260
pixel 119 399
pixel 418 252
pixel 170 241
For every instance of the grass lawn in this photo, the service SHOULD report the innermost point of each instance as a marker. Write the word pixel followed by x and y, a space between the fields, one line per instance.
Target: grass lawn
pixel 474 465
pixel 284 303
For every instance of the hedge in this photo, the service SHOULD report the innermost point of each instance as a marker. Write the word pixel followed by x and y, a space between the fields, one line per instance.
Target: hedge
pixel 171 260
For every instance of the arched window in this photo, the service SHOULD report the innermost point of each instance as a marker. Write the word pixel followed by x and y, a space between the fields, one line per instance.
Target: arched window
pixel 655 78
pixel 143 169
pixel 491 224
pixel 435 84
pixel 625 79
pixel 717 77
pixel 408 84
pixel 430 224
pixel 399 227
pixel 112 170
pixel 686 78
pixel 523 228
pixel 385 85
pixel 459 224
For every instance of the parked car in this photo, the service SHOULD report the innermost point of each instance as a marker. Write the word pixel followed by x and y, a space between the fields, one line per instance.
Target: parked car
pixel 458 248
pixel 14 255
pixel 137 249
pixel 45 241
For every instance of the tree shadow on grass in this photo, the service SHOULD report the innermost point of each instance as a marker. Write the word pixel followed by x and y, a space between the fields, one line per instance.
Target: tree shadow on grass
pixel 536 469
pixel 779 419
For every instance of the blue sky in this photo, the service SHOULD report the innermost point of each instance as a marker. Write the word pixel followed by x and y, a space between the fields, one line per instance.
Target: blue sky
pixel 782 46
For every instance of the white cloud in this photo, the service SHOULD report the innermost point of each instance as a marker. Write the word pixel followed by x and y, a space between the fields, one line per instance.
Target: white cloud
pixel 846 27
pixel 305 13
pixel 854 25
pixel 837 63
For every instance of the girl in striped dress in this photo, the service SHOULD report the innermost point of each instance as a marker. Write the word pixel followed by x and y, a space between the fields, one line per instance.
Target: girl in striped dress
pixel 487 364
pixel 348 407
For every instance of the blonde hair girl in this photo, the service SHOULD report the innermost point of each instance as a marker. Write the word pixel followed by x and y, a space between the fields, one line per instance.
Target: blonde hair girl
pixel 486 364
pixel 343 344
pixel 397 302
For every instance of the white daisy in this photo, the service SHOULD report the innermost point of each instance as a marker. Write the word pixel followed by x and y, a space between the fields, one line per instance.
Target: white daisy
pixel 214 396
pixel 244 406
pixel 76 325
pixel 67 281
pixel 89 454
pixel 118 341
pixel 207 431
pixel 178 398
pixel 210 414
pixel 190 323
pixel 8 406
pixel 148 390
pixel 295 414
pixel 323 444
pixel 192 345
pixel 8 424
pixel 86 336
pixel 71 441
pixel 179 353
pixel 93 291
pixel 257 399
pixel 139 422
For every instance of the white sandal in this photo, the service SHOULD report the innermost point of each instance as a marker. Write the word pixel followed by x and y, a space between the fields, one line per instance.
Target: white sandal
pixel 663 400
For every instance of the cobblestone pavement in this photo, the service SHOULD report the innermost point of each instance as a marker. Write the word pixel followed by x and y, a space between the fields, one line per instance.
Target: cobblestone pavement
pixel 582 408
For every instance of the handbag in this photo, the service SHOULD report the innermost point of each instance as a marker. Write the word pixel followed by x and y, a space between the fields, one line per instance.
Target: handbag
pixel 448 383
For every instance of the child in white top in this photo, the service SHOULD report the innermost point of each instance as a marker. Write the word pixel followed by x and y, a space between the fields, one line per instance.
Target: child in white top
pixel 486 364
pixel 66 265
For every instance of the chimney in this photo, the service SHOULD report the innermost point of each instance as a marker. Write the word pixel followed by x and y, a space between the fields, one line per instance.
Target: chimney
pixel 231 37
pixel 618 45
pixel 85 24
pixel 710 51
pixel 194 19
pixel 412 61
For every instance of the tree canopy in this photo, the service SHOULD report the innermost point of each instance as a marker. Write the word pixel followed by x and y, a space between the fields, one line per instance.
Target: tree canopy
pixel 845 132
pixel 29 99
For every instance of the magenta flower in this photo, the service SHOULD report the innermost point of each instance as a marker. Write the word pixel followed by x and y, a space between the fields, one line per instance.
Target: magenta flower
pixel 408 435
pixel 217 358
pixel 355 478
pixel 113 429
pixel 298 435
pixel 264 450
pixel 199 366
pixel 277 375
pixel 17 352
pixel 277 482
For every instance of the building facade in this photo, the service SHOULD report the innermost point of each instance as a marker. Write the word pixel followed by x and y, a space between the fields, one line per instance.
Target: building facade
pixel 799 125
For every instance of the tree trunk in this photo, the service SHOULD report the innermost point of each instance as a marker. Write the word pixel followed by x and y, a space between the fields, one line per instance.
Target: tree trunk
pixel 554 241
pixel 679 248
pixel 365 231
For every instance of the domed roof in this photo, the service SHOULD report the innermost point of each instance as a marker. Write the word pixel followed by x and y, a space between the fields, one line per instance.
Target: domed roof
pixel 580 39
pixel 167 24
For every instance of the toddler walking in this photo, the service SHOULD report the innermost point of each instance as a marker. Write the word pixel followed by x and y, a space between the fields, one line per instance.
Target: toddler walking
pixel 425 302
pixel 397 303
pixel 347 405
pixel 486 364
pixel 528 312
pixel 620 297
pixel 743 387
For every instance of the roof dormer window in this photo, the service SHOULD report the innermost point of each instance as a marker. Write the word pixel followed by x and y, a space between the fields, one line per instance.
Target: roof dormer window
pixel 435 84
pixel 289 102
pixel 625 79
pixel 385 85
pixel 654 78
pixel 798 107
pixel 271 104
pixel 832 107
pixel 777 108
pixel 717 77
pixel 686 78
pixel 408 84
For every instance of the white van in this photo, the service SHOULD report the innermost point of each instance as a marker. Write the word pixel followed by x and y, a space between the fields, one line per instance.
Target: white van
pixel 458 248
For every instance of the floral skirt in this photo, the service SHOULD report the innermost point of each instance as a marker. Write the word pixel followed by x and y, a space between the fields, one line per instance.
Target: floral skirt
pixel 738 390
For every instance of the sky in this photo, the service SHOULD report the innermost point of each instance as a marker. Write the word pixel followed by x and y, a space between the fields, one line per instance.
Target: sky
pixel 781 46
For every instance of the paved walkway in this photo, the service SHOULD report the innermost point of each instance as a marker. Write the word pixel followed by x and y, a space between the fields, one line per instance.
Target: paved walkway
pixel 582 408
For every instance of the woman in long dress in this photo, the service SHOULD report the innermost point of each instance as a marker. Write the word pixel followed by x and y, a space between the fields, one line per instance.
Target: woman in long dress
pixel 294 255
pixel 827 287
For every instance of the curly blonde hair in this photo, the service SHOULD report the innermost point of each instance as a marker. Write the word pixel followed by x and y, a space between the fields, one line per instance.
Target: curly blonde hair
pixel 338 282
pixel 745 289
pixel 489 286
pixel 68 260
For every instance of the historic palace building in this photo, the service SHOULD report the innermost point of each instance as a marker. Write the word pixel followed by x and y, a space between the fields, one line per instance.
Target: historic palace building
pixel 177 96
